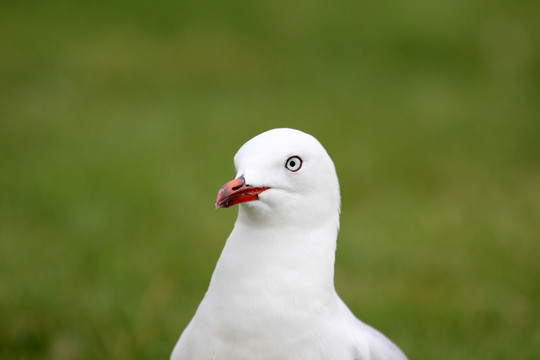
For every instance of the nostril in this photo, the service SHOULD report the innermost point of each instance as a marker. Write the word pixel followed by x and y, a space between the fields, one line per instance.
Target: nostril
pixel 241 183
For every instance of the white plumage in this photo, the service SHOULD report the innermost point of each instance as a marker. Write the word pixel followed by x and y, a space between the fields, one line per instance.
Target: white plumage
pixel 272 294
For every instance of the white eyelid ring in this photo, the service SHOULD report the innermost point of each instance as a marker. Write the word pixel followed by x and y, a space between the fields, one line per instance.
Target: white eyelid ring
pixel 294 163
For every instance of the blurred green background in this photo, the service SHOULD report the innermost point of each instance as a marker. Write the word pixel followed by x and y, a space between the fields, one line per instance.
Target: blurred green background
pixel 119 121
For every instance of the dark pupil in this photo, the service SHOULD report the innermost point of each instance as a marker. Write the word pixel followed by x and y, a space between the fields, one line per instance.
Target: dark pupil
pixel 292 163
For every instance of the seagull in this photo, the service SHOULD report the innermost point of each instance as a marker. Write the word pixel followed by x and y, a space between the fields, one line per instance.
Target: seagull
pixel 272 294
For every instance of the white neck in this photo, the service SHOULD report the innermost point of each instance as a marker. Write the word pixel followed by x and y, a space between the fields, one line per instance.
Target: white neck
pixel 286 258
pixel 275 275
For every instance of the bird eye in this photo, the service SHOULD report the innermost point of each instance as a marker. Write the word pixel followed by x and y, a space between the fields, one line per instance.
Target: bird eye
pixel 294 163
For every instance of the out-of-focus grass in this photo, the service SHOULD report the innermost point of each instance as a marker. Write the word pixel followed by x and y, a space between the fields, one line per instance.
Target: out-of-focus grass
pixel 118 123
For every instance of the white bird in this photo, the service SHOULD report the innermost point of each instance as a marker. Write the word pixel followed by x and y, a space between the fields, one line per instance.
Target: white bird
pixel 272 294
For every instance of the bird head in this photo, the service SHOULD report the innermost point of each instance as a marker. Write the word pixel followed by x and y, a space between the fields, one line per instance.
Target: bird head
pixel 283 176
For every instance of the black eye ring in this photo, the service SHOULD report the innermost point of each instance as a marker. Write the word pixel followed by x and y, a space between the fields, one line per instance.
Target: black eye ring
pixel 294 163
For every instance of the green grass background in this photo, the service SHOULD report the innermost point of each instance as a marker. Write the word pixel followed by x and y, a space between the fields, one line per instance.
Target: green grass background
pixel 119 121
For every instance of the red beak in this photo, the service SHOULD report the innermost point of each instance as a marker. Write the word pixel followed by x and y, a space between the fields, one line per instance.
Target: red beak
pixel 236 192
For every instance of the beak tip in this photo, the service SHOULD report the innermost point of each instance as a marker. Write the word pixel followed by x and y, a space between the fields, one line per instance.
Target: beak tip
pixel 220 203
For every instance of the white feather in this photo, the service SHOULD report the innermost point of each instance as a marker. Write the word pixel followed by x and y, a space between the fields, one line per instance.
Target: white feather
pixel 272 294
